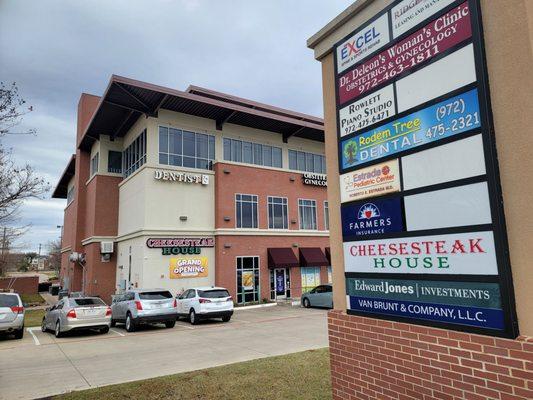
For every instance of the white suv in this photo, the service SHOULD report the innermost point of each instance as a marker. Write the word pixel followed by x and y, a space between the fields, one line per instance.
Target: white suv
pixel 205 302
pixel 11 314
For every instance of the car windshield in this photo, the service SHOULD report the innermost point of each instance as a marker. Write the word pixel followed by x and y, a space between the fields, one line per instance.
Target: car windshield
pixel 79 302
pixel 213 294
pixel 155 295
pixel 8 300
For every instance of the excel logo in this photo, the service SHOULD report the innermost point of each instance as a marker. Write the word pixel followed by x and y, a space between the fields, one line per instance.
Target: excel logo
pixel 354 46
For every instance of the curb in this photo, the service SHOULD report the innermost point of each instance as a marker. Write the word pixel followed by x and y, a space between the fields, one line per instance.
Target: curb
pixel 255 306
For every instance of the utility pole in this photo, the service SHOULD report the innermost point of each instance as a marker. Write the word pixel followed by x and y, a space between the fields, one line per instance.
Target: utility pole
pixel 39 249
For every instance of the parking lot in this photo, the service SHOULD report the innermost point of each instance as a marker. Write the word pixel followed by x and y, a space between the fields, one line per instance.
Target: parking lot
pixel 40 365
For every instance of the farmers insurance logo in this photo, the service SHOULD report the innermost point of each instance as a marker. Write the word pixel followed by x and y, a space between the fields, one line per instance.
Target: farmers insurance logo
pixel 368 211
pixel 363 42
pixel 377 217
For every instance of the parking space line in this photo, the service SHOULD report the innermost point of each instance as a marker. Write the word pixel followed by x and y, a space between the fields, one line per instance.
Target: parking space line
pixel 117 332
pixel 30 330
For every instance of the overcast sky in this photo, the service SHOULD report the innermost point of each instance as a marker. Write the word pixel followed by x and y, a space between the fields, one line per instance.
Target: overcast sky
pixel 55 50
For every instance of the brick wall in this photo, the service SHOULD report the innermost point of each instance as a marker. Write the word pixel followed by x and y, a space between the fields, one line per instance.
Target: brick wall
pixel 21 285
pixel 376 359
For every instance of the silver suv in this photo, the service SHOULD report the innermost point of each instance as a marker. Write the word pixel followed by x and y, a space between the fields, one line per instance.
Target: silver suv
pixel 139 306
pixel 11 314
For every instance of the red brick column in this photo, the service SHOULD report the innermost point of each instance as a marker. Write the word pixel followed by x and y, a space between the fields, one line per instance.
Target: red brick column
pixel 377 359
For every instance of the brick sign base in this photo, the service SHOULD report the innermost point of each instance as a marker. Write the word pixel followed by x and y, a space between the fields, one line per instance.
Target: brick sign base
pixel 378 359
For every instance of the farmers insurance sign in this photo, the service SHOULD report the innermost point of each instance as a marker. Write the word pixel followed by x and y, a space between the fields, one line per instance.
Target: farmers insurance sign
pixel 411 85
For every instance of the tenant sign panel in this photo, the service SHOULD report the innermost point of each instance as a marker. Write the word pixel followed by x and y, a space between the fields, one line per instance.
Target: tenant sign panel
pixel 422 218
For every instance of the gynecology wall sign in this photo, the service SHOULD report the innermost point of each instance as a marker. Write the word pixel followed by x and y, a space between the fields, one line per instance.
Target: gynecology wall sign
pixel 421 204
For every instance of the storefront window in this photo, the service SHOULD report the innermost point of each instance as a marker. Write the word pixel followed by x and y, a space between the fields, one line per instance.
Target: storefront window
pixel 278 216
pixel 135 155
pixel 330 279
pixel 246 211
pixel 310 278
pixel 248 289
pixel 307 212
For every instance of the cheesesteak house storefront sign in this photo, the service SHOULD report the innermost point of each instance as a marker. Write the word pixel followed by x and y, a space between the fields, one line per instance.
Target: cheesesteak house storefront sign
pixel 176 246
pixel 421 204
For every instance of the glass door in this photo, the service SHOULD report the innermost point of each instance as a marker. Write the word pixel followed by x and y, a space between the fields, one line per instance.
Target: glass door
pixel 280 282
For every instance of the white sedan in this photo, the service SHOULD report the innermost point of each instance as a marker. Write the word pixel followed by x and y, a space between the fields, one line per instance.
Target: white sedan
pixel 205 302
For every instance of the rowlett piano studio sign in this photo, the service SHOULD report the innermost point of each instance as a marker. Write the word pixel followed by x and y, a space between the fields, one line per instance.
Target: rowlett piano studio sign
pixel 411 86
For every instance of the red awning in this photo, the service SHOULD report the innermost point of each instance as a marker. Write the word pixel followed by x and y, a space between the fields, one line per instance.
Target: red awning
pixel 328 255
pixel 282 257
pixel 312 257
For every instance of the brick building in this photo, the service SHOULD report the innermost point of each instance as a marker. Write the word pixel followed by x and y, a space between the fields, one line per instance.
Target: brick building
pixel 175 189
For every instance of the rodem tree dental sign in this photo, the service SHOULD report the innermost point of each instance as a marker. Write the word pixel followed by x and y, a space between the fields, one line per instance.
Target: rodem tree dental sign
pixel 421 204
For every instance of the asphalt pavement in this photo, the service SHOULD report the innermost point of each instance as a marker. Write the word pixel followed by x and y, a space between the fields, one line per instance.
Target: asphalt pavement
pixel 40 365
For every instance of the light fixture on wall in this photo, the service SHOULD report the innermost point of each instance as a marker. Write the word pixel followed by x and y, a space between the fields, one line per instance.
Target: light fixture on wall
pixel 292 179
pixel 295 245
pixel 293 221
pixel 227 219
pixel 183 218
pixel 227 246
pixel 226 171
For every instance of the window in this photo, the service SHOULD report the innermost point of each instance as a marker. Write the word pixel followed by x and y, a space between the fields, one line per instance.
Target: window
pixel 326 215
pixel 307 211
pixel 94 164
pixel 247 279
pixel 307 162
pixel 329 275
pixel 246 210
pixel 70 195
pixel 114 162
pixel 93 301
pixel 213 294
pixel 185 148
pixel 160 295
pixel 278 216
pixel 310 278
pixel 135 155
pixel 252 153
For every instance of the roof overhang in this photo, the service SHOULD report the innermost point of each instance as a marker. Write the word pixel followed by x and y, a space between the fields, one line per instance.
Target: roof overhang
pixel 282 257
pixel 60 192
pixel 125 100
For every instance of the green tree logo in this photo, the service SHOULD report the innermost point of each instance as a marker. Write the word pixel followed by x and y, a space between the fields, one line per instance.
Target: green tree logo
pixel 350 148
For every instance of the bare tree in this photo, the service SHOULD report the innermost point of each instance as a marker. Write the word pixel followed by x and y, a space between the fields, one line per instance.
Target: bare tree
pixel 12 108
pixel 54 254
pixel 17 183
pixel 8 235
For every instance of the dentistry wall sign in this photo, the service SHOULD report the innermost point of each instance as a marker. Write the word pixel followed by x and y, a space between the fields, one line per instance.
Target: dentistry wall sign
pixel 412 100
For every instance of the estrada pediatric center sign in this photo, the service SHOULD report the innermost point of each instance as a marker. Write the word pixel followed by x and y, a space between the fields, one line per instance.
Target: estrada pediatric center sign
pixel 370 182
pixel 451 254
pixel 445 119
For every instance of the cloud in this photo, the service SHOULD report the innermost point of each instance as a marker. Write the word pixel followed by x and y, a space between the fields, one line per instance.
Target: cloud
pixel 55 50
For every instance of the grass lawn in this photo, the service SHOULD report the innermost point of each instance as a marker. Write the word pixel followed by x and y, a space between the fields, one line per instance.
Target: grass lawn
pixel 294 376
pixel 32 299
pixel 33 317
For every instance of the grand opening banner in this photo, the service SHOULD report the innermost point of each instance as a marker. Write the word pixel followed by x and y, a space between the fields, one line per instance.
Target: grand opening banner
pixel 421 204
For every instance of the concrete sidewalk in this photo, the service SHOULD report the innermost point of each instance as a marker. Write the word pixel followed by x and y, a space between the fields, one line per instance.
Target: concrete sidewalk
pixel 41 365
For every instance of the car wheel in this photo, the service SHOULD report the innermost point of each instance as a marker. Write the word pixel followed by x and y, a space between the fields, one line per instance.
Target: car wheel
pixel 20 333
pixel 170 324
pixel 226 318
pixel 57 331
pixel 306 303
pixel 113 323
pixel 104 330
pixel 192 317
pixel 43 325
pixel 130 324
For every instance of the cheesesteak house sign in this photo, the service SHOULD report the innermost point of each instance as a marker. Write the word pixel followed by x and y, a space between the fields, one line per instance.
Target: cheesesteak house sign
pixel 411 85
pixel 175 246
